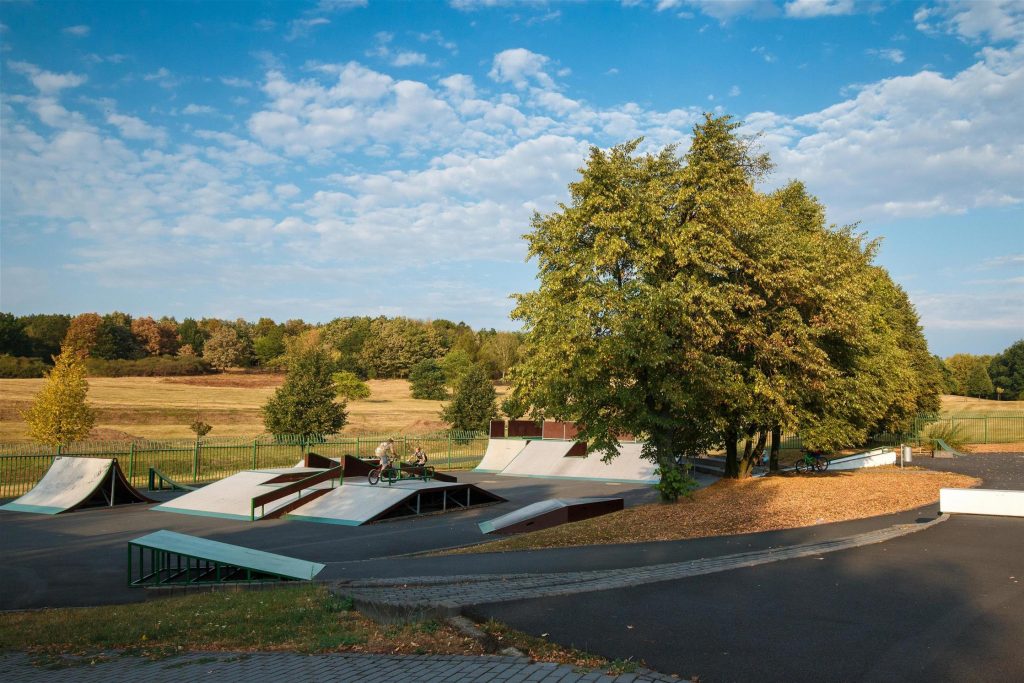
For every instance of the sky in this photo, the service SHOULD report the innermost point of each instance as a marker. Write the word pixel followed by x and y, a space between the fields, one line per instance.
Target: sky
pixel 367 157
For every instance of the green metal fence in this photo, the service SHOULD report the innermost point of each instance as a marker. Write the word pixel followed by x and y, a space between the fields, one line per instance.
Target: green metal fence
pixel 209 459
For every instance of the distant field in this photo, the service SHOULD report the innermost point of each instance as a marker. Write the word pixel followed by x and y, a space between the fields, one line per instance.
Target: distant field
pixel 163 407
pixel 955 406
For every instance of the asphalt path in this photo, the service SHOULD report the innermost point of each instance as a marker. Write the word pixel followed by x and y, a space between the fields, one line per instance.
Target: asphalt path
pixel 79 558
pixel 945 604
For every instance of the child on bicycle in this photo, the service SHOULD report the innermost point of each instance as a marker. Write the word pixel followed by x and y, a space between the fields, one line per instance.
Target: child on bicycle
pixel 386 453
pixel 419 457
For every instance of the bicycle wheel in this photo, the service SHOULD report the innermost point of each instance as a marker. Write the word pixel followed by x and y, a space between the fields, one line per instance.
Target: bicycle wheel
pixel 374 476
pixel 820 464
pixel 801 465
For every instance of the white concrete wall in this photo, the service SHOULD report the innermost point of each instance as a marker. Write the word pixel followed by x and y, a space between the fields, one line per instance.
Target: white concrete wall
pixel 982 502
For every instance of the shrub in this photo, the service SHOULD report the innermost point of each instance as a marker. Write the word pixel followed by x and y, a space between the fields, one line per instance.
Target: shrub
pixel 18 367
pixel 153 366
pixel 952 435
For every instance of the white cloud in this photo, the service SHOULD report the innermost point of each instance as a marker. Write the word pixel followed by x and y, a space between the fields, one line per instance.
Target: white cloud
pixel 300 28
pixel 135 128
pixel 734 91
pixel 47 82
pixel 164 78
pixel 236 82
pixel 808 9
pixel 459 85
pixel 79 30
pixel 893 55
pixel 437 38
pixel 519 66
pixel 998 20
pixel 914 145
pixel 408 58
pixel 763 52
pixel 198 109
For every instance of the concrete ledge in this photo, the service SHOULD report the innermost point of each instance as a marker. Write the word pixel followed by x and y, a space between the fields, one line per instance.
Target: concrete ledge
pixel 982 502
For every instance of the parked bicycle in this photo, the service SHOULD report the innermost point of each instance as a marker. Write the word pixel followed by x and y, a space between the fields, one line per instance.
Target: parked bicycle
pixel 812 462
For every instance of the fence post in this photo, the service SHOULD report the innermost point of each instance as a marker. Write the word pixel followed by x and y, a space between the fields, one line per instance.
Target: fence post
pixel 986 429
pixel 131 461
pixel 449 450
pixel 254 441
pixel 195 462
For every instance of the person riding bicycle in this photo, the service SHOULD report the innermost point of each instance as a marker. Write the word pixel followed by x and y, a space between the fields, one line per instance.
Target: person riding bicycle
pixel 386 453
pixel 419 457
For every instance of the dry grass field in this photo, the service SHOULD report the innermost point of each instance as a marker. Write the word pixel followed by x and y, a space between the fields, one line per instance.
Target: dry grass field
pixel 963 406
pixel 163 407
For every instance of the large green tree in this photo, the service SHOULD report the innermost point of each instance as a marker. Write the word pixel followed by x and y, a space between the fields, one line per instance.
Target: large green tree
pixel 305 404
pixel 427 380
pixel 970 373
pixel 679 303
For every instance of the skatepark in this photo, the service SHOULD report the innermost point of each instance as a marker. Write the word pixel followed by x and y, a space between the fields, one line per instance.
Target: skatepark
pixel 746 605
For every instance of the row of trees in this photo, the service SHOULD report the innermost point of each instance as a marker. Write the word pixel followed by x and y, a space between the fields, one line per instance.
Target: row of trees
pixel 367 347
pixel 679 302
pixel 1000 376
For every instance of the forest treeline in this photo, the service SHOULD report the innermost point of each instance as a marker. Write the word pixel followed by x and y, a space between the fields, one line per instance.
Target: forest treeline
pixel 117 344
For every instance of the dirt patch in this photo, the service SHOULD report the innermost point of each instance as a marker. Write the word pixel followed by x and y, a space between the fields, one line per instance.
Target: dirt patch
pixel 738 507
pixel 1013 447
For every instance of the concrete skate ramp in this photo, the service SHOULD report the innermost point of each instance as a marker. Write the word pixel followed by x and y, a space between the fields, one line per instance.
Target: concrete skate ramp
pixel 873 458
pixel 499 453
pixel 357 502
pixel 549 513
pixel 72 483
pixel 549 459
pixel 231 497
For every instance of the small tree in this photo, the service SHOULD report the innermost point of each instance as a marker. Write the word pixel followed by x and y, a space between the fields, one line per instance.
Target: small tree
pixel 305 403
pixel 223 349
pixel 60 414
pixel 428 380
pixel 455 364
pixel 475 402
pixel 350 387
pixel 200 428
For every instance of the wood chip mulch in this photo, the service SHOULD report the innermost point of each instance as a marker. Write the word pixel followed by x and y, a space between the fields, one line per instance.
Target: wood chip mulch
pixel 745 506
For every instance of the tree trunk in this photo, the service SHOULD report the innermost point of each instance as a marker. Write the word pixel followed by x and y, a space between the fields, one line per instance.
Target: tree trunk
pixel 773 461
pixel 732 463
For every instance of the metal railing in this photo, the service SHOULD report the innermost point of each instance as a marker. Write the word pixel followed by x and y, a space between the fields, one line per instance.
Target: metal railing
pixel 204 460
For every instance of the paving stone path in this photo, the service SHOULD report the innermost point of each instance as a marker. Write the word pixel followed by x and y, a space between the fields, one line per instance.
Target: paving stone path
pixel 226 667
pixel 420 597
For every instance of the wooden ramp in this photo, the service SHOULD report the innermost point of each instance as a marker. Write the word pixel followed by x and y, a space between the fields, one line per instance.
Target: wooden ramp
pixel 73 483
pixel 166 558
pixel 549 513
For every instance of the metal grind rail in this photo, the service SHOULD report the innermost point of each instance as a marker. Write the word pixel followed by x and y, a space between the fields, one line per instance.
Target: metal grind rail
pixel 297 487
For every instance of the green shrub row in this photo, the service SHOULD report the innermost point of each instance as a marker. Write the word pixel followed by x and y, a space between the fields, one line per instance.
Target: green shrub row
pixel 18 367
pixel 152 366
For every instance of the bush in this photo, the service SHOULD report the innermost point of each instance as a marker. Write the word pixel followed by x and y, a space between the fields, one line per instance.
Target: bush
pixel 953 436
pixel 153 366
pixel 18 367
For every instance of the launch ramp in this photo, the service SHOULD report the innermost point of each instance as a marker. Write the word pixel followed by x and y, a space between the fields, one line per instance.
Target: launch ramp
pixel 549 513
pixel 73 483
pixel 166 558
pixel 357 502
pixel 552 459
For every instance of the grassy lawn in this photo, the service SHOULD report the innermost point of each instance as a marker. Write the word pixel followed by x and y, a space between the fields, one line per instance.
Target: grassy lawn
pixel 307 618
pixel 163 407
pixel 738 507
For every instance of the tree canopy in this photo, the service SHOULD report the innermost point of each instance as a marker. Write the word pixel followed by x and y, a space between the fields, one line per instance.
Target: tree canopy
pixel 305 403
pixel 474 404
pixel 679 303
pixel 60 414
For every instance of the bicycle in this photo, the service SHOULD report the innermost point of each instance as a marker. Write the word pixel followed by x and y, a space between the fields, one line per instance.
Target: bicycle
pixel 812 462
pixel 390 473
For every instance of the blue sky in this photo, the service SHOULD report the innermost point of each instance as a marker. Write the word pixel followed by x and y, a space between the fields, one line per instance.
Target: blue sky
pixel 353 157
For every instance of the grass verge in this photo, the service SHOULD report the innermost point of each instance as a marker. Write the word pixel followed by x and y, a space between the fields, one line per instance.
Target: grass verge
pixel 305 619
pixel 745 506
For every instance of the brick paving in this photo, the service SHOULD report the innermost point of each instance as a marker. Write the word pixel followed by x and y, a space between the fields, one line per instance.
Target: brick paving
pixel 227 667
